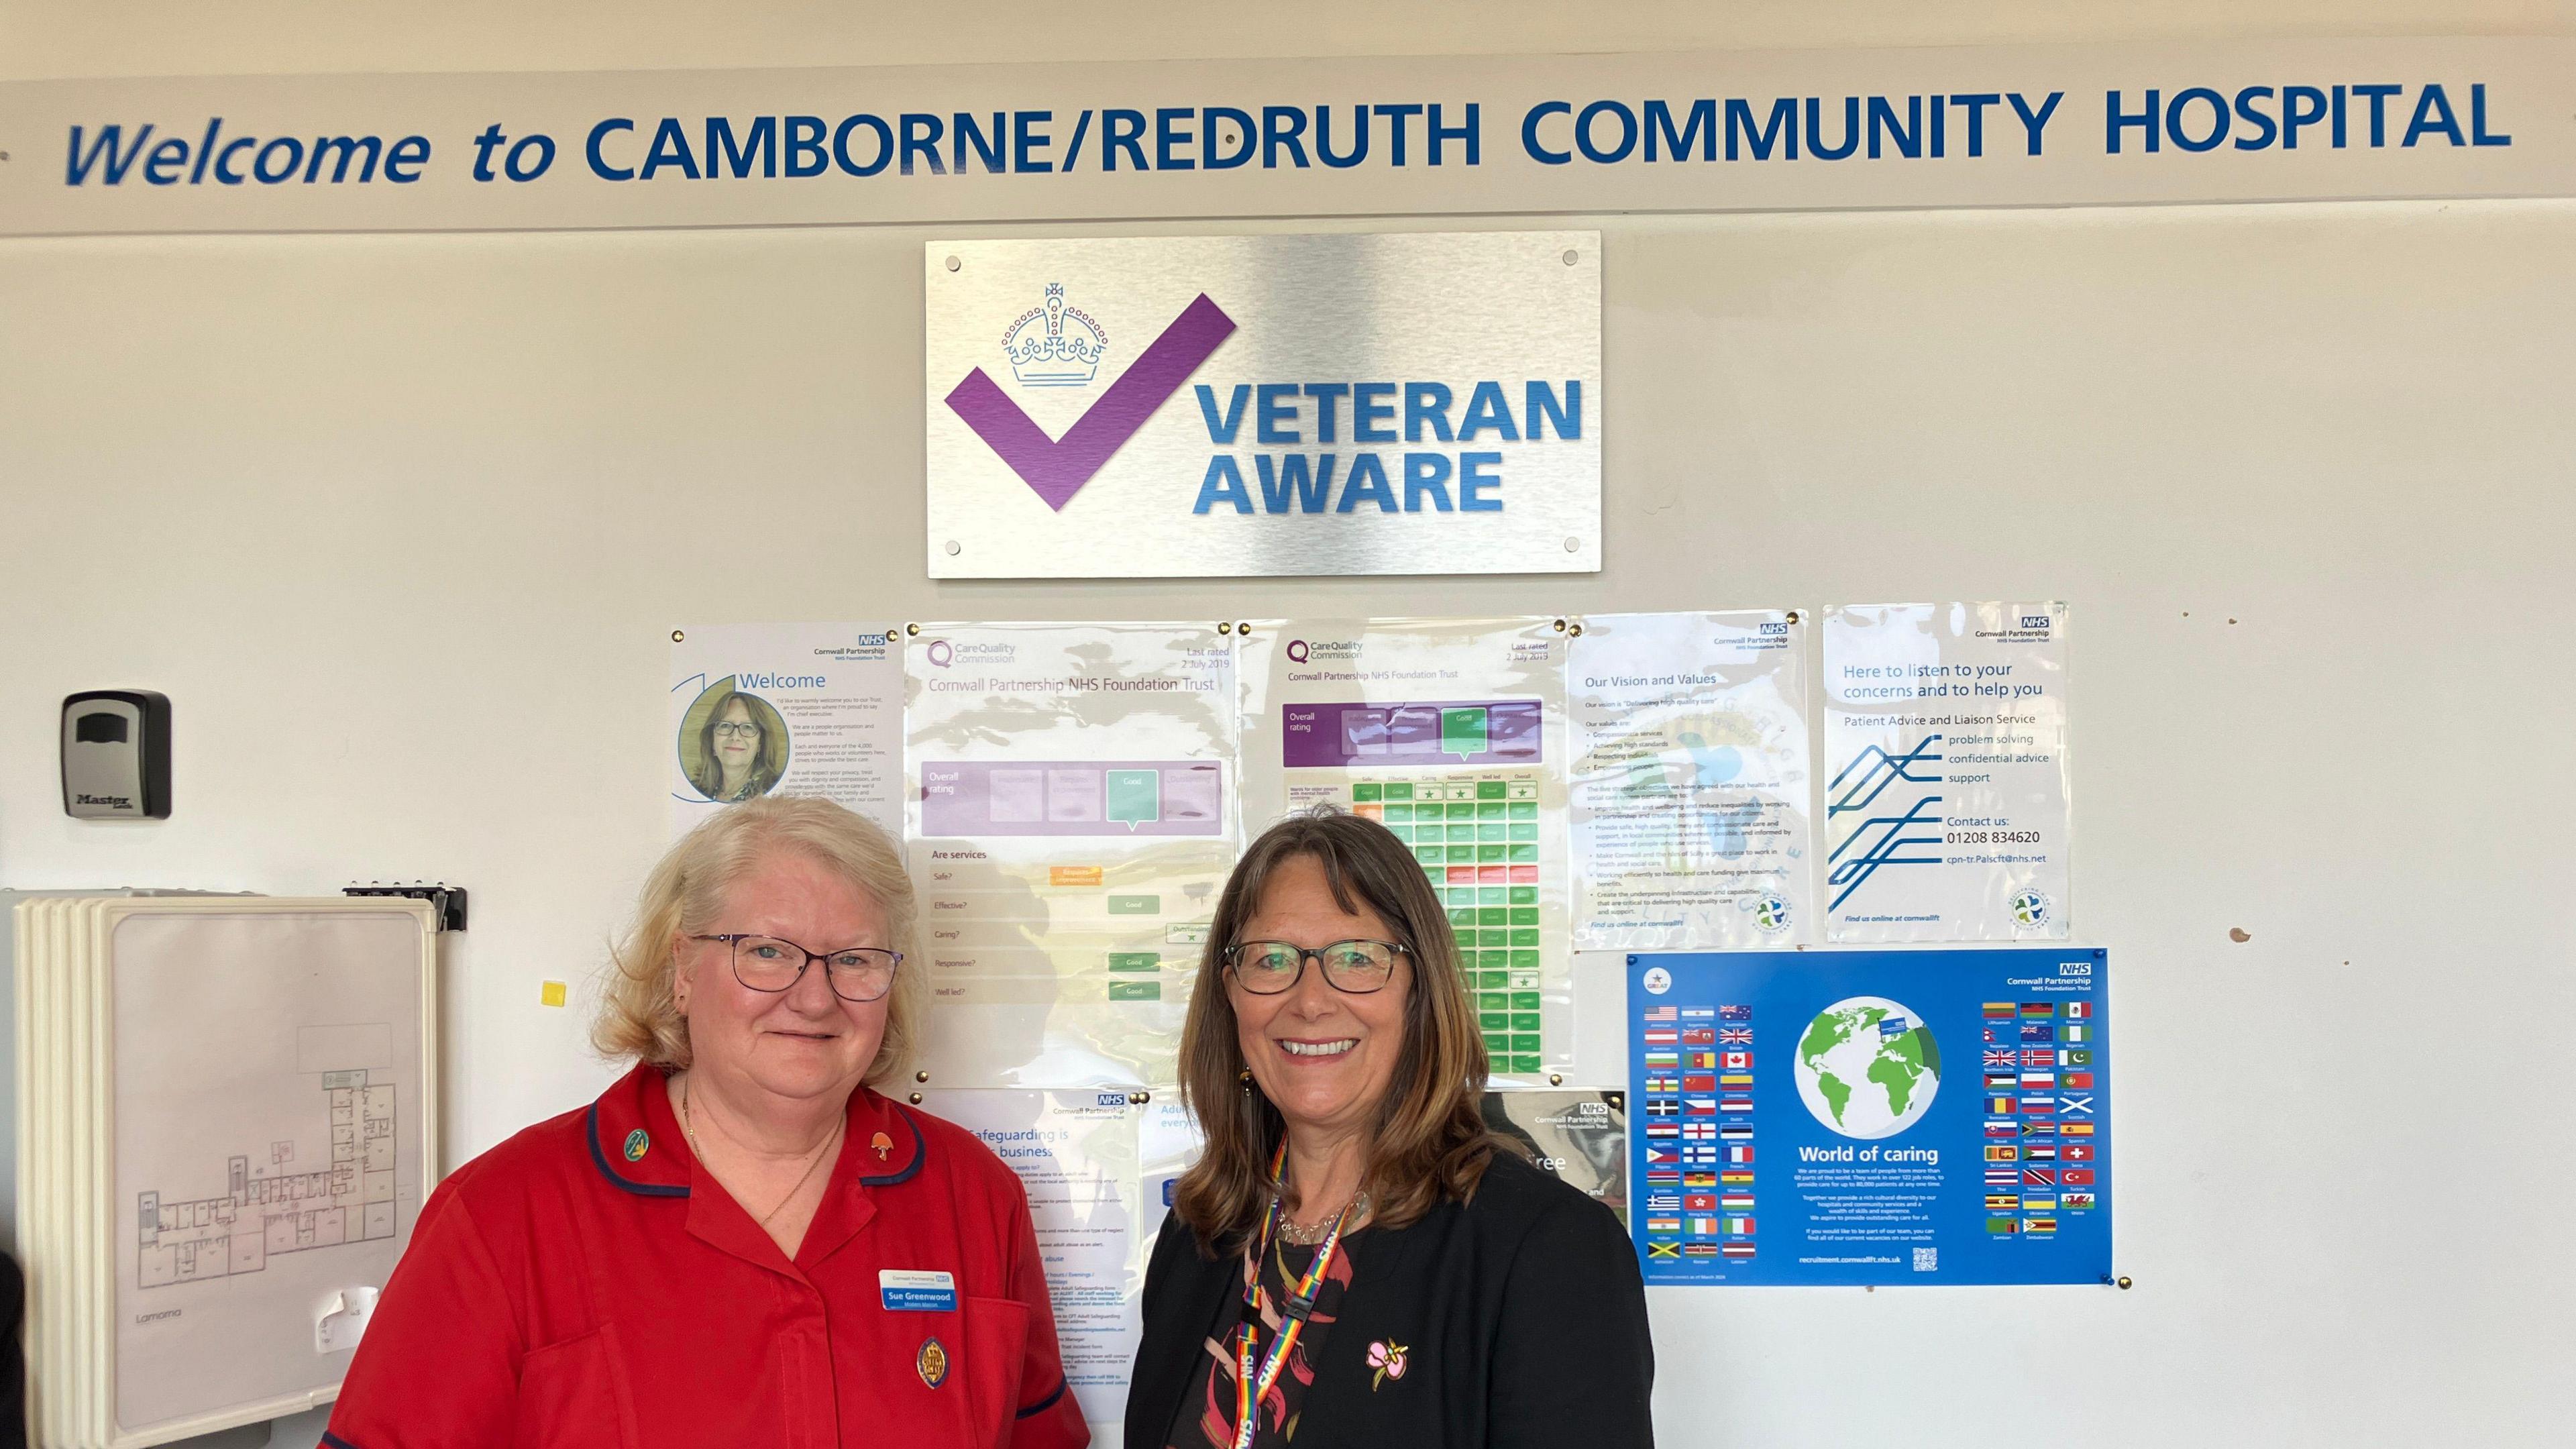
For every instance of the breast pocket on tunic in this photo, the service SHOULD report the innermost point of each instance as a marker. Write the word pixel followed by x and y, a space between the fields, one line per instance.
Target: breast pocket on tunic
pixel 997 1343
pixel 573 1395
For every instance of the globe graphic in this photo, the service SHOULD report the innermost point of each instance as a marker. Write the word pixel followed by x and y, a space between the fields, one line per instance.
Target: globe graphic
pixel 1867 1067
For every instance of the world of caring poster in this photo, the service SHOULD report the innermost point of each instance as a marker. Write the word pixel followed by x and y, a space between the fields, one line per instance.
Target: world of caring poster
pixel 1871 1117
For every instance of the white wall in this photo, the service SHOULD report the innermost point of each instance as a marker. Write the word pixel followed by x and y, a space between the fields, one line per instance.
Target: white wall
pixel 397 522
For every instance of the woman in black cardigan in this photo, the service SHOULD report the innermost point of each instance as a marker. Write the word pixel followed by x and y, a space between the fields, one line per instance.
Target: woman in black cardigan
pixel 1354 1260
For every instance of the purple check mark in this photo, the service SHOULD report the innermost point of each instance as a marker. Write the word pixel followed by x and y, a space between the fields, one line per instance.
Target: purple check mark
pixel 1056 468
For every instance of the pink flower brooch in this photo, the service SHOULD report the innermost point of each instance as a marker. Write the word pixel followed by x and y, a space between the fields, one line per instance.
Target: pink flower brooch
pixel 1388 1360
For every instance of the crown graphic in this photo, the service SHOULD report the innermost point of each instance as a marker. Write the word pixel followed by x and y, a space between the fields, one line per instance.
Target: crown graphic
pixel 1053 345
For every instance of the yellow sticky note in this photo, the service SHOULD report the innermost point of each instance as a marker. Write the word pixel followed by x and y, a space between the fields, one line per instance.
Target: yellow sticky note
pixel 551 993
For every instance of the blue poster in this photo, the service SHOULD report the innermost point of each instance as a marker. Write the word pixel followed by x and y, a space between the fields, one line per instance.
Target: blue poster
pixel 1867 1117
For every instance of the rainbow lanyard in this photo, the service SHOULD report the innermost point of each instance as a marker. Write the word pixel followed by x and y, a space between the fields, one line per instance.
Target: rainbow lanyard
pixel 1251 1386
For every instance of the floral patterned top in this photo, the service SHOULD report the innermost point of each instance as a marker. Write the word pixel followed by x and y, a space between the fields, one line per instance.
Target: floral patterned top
pixel 1206 1418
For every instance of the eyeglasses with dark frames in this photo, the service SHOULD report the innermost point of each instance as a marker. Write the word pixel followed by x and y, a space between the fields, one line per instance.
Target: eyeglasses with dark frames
pixel 766 963
pixel 1355 968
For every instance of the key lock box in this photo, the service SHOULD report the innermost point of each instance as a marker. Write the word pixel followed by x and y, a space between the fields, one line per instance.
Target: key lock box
pixel 116 755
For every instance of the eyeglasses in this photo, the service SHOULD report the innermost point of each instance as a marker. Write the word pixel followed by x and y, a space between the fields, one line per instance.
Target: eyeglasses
pixel 1266 968
pixel 735 727
pixel 766 963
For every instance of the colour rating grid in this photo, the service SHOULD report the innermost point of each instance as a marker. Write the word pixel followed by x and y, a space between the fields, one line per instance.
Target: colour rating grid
pixel 1477 839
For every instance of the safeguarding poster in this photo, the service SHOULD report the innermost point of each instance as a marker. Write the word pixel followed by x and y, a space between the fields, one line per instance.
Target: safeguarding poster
pixel 1873 1117
pixel 1451 733
pixel 785 709
pixel 1945 772
pixel 1689 791
pixel 1078 1154
pixel 1071 818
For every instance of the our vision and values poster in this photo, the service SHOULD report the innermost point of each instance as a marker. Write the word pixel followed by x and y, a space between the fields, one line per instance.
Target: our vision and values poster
pixel 1451 733
pixel 1690 781
pixel 1945 790
pixel 1071 819
pixel 785 709
pixel 1825 1118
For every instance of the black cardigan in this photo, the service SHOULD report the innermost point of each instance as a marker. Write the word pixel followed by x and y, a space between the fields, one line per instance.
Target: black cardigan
pixel 1522 1314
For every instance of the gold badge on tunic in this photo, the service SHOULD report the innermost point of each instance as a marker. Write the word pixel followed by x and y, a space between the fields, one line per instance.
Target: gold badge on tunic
pixel 932 1363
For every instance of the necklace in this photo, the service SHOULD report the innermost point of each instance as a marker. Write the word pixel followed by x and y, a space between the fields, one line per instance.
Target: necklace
pixel 689 1127
pixel 1307 1237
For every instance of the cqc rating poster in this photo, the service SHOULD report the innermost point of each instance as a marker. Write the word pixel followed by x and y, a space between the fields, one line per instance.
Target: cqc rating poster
pixel 1827 1118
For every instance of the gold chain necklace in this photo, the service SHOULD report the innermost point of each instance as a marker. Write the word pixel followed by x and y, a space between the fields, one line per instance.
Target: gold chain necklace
pixel 689 1127
pixel 1307 1237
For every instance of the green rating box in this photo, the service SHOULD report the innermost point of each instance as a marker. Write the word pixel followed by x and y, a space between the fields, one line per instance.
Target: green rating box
pixel 1135 905
pixel 1135 990
pixel 1135 961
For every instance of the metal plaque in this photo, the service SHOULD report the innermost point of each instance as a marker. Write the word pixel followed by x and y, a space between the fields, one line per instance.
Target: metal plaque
pixel 1171 407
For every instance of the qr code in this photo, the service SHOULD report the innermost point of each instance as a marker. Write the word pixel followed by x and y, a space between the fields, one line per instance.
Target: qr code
pixel 1927 1260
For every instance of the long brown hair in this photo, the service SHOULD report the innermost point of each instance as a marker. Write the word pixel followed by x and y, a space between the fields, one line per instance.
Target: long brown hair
pixel 1430 1144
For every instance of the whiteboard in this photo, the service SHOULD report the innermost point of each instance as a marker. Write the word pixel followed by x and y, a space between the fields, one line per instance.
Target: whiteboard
pixel 2303 470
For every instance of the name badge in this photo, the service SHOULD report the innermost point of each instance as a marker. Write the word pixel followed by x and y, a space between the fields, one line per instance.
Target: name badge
pixel 909 1290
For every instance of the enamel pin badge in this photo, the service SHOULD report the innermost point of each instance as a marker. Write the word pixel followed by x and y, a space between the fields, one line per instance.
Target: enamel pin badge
pixel 1388 1359
pixel 637 1144
pixel 883 1145
pixel 931 1363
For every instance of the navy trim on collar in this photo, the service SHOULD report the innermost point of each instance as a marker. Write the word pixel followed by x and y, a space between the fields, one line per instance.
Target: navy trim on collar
pixel 600 1157
pixel 334 1441
pixel 920 1149
pixel 1042 1405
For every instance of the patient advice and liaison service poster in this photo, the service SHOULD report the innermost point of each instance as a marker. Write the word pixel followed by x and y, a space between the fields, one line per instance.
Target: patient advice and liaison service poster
pixel 1871 1117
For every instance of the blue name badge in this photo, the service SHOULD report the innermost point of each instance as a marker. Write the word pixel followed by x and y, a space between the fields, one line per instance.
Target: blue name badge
pixel 907 1290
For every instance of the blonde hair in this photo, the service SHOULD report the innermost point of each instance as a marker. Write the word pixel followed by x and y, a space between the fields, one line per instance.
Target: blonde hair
pixel 637 1018
pixel 1430 1144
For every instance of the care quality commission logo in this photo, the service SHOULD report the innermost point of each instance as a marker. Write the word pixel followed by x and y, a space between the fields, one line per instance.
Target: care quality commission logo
pixel 1057 468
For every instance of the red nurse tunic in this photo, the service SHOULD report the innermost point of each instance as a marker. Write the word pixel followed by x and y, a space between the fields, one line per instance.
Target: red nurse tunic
pixel 587 1284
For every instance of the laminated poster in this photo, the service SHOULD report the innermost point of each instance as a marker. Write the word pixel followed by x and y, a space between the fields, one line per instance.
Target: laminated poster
pixel 1580 1137
pixel 1945 791
pixel 1689 794
pixel 1451 733
pixel 1872 1117
pixel 1071 817
pixel 785 709
pixel 1077 1154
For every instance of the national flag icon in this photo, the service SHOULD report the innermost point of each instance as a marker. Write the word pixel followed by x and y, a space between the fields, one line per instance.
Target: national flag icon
pixel 1728 1081
pixel 1663 1129
pixel 1669 1061
pixel 1663 1202
pixel 1735 1036
pixel 1996 1033
pixel 1663 1083
pixel 2079 1010
pixel 1700 1106
pixel 2041 1226
pixel 1999 1105
pixel 2001 1059
pixel 1703 1227
pixel 2040 1152
pixel 2039 1204
pixel 1736 1061
pixel 1735 1106
pixel 1740 1152
pixel 2077 1081
pixel 2038 1129
pixel 1663 1248
pixel 1699 1131
pixel 2037 1008
pixel 2039 1106
pixel 1663 1177
pixel 1736 1132
pixel 1657 1154
pixel 1699 1036
pixel 1735 1013
pixel 2075 1202
pixel 2038 1058
pixel 2001 1081
pixel 2002 1177
pixel 2079 1152
pixel 2002 1202
pixel 2039 1081
pixel 2001 1128
pixel 1738 1249
pixel 2075 1106
pixel 2081 1057
pixel 1700 1250
pixel 1741 1227
pixel 2039 1177
pixel 2077 1129
pixel 1699 1179
pixel 1703 1061
pixel 1662 1036
pixel 1663 1106
pixel 2003 1225
pixel 2077 1032
pixel 1699 1154
pixel 1736 1177
pixel 1999 1011
pixel 1658 1013
pixel 1701 1202
pixel 1663 1225
pixel 2077 1177
pixel 1700 1082
pixel 1737 1202
pixel 2039 1031
pixel 2002 1152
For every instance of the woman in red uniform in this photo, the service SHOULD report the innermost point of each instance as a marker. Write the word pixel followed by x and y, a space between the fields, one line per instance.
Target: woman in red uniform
pixel 740 1243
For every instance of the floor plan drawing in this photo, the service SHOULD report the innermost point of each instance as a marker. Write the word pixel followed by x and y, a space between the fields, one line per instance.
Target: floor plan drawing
pixel 278 1207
